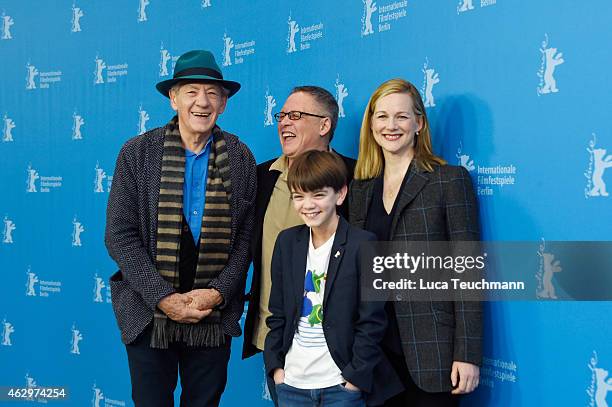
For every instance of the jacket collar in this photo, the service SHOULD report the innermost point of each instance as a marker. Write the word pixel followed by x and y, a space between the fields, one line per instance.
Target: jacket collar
pixel 415 182
pixel 362 190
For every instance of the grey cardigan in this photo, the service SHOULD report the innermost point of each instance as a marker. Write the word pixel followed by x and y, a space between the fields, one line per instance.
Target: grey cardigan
pixel 131 229
pixel 432 206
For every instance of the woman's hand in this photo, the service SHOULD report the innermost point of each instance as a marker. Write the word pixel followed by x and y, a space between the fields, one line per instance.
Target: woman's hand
pixel 464 377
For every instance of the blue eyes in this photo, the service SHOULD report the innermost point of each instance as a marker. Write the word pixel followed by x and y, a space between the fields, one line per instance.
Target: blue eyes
pixel 399 117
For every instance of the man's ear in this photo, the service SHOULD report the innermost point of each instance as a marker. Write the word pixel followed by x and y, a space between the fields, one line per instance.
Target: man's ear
pixel 325 126
pixel 223 104
pixel 172 96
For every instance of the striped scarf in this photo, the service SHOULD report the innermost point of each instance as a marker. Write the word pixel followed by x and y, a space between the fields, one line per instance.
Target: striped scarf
pixel 214 236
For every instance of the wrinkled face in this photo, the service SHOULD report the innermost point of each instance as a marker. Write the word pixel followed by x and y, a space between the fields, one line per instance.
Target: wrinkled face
pixel 318 208
pixel 198 105
pixel 297 136
pixel 394 124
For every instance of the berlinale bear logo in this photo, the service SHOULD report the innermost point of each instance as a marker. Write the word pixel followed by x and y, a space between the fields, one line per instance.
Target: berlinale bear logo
pixel 599 162
pixel 341 93
pixel 550 60
pixel 294 28
pixel 270 104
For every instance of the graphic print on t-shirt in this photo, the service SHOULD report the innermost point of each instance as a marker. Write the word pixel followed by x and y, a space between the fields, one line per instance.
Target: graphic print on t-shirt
pixel 312 304
pixel 310 331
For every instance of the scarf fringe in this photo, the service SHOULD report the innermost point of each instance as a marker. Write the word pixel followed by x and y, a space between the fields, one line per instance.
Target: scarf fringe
pixel 166 331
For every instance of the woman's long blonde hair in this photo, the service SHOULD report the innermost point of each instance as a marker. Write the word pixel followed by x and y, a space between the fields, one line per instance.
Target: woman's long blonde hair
pixel 371 162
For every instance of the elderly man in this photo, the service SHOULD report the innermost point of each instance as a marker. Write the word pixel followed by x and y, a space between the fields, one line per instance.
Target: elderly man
pixel 179 223
pixel 306 122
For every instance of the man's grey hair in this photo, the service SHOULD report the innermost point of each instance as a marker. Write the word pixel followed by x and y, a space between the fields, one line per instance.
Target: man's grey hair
pixel 326 101
pixel 179 84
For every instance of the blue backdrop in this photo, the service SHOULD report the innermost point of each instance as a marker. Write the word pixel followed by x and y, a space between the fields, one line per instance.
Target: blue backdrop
pixel 516 91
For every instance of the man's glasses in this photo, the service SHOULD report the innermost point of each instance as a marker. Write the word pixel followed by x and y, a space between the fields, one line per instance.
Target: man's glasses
pixel 294 115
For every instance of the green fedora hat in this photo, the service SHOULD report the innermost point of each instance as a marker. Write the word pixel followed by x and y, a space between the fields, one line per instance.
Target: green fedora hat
pixel 197 66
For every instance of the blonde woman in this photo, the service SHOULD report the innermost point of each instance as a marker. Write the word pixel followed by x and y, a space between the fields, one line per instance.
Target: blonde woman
pixel 403 192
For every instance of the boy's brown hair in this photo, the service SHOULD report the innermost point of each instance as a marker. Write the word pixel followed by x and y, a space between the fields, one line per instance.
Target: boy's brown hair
pixel 314 170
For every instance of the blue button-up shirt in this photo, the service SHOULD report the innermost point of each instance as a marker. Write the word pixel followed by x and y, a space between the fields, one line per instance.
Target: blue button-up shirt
pixel 194 188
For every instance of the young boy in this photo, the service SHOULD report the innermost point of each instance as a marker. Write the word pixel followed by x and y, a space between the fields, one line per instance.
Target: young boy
pixel 323 344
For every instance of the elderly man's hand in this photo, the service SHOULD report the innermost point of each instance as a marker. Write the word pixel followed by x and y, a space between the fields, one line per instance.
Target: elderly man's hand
pixel 204 298
pixel 464 377
pixel 176 307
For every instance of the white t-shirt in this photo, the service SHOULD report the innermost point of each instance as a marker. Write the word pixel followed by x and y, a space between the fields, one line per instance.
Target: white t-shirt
pixel 308 364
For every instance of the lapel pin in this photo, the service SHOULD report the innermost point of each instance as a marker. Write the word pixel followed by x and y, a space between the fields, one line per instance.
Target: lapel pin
pixel 337 254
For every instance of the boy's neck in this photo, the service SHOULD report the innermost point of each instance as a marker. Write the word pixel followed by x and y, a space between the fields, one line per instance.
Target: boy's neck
pixel 322 233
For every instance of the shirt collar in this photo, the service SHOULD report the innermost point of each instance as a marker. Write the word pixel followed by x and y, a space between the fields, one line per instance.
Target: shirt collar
pixel 280 164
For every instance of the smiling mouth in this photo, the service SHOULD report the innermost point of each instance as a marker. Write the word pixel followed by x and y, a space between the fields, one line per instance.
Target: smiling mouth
pixel 199 114
pixel 311 215
pixel 286 135
pixel 391 137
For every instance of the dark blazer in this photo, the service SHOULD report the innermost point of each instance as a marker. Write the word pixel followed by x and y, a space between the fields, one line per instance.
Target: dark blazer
pixel 266 180
pixel 131 233
pixel 433 206
pixel 353 328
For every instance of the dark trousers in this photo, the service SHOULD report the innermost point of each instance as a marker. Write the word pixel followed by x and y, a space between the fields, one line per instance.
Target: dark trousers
pixel 412 396
pixel 154 373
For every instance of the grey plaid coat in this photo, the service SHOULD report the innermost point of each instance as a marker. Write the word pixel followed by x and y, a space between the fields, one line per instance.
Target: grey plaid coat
pixel 436 206
pixel 131 229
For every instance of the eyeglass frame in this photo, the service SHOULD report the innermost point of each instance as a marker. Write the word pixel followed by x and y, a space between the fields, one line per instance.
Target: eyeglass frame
pixel 279 116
